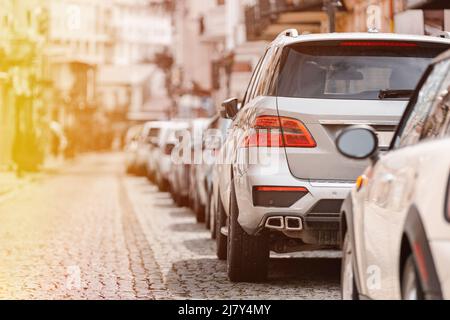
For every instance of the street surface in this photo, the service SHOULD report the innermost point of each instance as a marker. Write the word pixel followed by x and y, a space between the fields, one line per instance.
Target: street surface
pixel 91 232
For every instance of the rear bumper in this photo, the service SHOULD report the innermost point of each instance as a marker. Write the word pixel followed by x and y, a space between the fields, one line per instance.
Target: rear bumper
pixel 319 220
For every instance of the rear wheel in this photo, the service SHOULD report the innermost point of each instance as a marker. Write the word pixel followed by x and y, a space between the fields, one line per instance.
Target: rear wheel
pixel 248 256
pixel 411 288
pixel 212 213
pixel 348 285
pixel 220 222
pixel 199 209
pixel 207 210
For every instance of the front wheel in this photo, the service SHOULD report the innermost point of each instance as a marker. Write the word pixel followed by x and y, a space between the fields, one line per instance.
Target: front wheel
pixel 411 288
pixel 349 290
pixel 220 222
pixel 248 255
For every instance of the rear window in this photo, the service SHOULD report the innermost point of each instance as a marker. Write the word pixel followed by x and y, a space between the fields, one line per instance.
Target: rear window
pixel 353 69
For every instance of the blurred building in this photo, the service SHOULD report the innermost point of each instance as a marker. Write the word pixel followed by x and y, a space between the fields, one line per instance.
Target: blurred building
pixel 131 85
pixel 430 17
pixel 102 66
pixel 23 84
pixel 199 36
pixel 79 41
pixel 213 59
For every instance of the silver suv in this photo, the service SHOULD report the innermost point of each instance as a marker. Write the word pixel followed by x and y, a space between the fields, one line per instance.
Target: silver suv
pixel 281 180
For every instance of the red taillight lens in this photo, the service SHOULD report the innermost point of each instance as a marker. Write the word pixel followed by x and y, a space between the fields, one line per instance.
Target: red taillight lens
pixel 281 189
pixel 273 131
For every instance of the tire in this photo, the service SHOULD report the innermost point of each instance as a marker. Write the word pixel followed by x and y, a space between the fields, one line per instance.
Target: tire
pixel 349 290
pixel 199 209
pixel 220 221
pixel 247 256
pixel 411 287
pixel 208 211
pixel 212 223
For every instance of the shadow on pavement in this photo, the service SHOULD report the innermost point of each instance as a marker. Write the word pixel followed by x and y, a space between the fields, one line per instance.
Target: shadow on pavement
pixel 288 279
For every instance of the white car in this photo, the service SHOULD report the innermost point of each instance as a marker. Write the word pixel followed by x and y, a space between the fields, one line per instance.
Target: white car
pixel 159 159
pixel 396 222
pixel 282 181
pixel 131 147
pixel 149 131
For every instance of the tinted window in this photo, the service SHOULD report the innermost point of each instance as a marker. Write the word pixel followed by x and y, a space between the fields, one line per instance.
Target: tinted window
pixel 438 120
pixel 414 123
pixel 248 94
pixel 353 69
pixel 267 78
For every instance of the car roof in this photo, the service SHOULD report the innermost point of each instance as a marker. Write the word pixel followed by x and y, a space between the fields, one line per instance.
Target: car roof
pixel 284 40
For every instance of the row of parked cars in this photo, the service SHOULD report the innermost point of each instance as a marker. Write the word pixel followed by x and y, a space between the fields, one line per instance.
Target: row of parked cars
pixel 323 152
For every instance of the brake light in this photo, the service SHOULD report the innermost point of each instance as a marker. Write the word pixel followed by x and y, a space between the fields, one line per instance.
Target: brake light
pixel 377 44
pixel 274 131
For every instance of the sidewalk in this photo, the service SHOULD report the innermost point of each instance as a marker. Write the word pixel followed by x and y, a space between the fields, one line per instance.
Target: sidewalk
pixel 9 182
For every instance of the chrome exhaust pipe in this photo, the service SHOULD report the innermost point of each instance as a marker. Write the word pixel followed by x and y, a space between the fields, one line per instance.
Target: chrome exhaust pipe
pixel 276 223
pixel 293 224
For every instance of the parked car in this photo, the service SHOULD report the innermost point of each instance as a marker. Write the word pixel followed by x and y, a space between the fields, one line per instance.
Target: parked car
pixel 181 172
pixel 198 129
pixel 179 176
pixel 396 221
pixel 304 91
pixel 149 131
pixel 213 144
pixel 131 146
pixel 159 160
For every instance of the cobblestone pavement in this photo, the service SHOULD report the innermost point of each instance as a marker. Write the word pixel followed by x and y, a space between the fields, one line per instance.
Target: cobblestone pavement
pixel 90 232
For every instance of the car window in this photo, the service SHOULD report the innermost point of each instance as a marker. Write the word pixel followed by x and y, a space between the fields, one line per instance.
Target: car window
pixel 438 120
pixel 354 70
pixel 261 70
pixel 411 130
pixel 267 79
pixel 248 93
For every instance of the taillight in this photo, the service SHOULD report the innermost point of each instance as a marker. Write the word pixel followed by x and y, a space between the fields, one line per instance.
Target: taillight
pixel 273 131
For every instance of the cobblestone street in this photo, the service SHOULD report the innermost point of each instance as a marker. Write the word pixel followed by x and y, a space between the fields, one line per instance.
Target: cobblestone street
pixel 91 232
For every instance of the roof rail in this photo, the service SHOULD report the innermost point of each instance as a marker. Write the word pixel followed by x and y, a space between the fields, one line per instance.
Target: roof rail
pixel 444 34
pixel 293 33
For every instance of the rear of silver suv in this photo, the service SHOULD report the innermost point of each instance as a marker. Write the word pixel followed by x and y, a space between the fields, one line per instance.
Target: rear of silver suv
pixel 304 91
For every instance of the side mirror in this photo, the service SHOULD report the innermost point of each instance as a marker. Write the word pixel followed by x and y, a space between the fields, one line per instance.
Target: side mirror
pixel 229 108
pixel 358 142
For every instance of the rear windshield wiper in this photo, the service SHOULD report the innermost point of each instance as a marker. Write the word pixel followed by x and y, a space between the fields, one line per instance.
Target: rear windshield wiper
pixel 387 94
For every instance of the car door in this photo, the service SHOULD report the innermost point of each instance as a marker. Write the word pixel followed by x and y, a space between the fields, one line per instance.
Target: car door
pixel 389 191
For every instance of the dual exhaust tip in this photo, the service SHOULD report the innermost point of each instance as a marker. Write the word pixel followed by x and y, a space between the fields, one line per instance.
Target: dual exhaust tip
pixel 284 223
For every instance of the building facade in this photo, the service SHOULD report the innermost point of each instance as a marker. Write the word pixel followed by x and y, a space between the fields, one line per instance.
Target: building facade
pixel 23 84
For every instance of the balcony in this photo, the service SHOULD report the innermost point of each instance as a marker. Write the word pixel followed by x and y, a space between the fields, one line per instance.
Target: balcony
pixel 267 18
